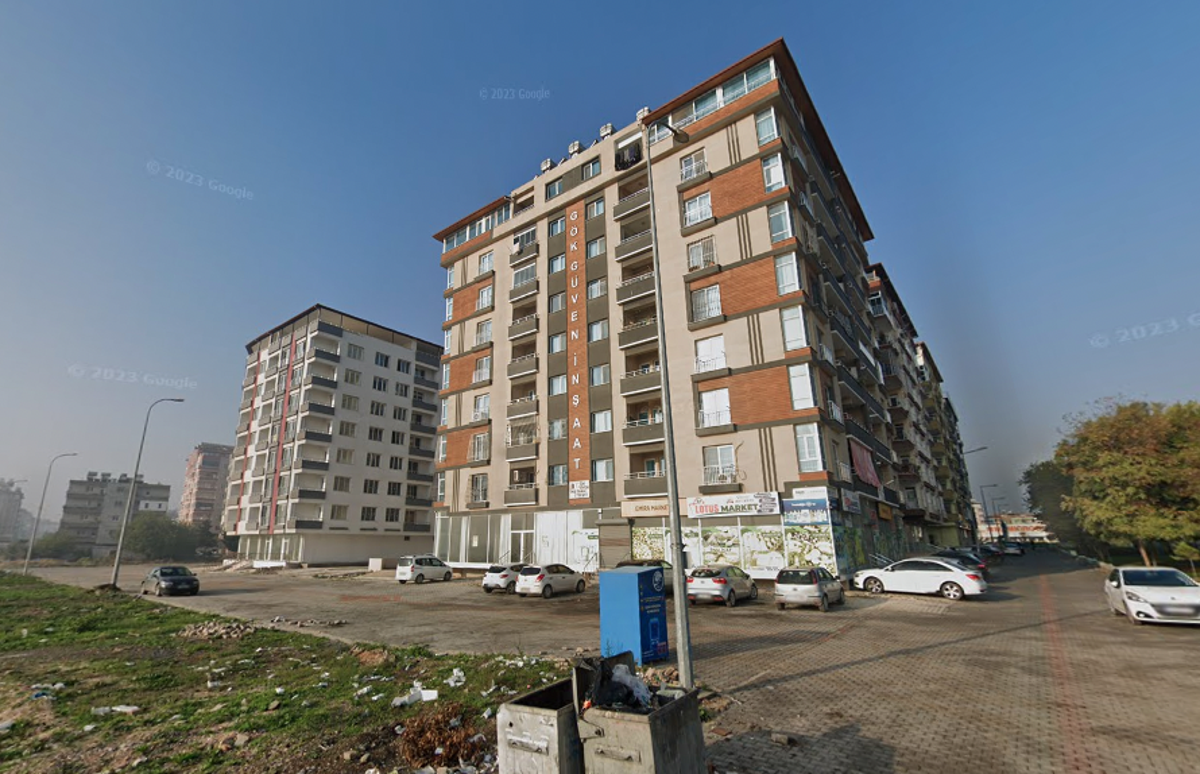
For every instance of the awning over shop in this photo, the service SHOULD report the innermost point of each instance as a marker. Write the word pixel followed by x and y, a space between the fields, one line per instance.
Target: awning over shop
pixel 863 466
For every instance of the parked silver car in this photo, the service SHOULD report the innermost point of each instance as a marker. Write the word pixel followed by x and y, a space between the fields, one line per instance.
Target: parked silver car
pixel 808 586
pixel 419 569
pixel 720 582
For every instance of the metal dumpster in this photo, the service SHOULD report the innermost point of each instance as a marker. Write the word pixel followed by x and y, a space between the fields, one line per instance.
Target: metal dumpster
pixel 537 732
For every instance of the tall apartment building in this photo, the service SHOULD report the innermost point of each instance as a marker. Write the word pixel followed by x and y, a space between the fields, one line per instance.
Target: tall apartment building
pixel 95 506
pixel 204 485
pixel 551 443
pixel 335 442
pixel 11 497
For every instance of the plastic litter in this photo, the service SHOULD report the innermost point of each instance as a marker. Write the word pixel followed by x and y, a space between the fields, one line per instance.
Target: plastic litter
pixel 457 678
pixel 487 713
pixel 6 726
pixel 278 691
pixel 126 709
pixel 90 727
pixel 641 693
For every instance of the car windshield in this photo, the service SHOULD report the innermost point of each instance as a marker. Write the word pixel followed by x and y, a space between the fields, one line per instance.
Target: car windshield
pixel 706 572
pixel 531 571
pixel 1166 578
pixel 795 576
pixel 174 572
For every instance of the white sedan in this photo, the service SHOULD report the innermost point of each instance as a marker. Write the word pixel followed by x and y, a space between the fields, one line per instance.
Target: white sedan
pixel 502 576
pixel 549 578
pixel 925 575
pixel 1158 594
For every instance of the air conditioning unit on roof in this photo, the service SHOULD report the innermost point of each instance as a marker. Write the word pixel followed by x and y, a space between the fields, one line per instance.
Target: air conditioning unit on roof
pixel 575 147
pixel 547 165
pixel 606 131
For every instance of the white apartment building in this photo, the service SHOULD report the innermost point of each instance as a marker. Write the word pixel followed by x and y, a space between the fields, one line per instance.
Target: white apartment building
pixel 333 462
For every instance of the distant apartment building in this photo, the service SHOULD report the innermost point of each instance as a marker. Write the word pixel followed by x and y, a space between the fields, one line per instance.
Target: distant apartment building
pixel 204 485
pixel 551 443
pixel 95 506
pixel 11 497
pixel 333 462
pixel 1020 527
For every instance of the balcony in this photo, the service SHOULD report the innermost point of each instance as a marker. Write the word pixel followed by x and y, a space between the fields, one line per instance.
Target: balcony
pixel 418 502
pixel 522 407
pixel 421 477
pixel 628 157
pixel 713 420
pixel 902 441
pixel 521 451
pixel 639 332
pixel 428 358
pixel 524 289
pixel 523 366
pixel 313 380
pixel 639 431
pixel 521 494
pixel 636 287
pixel 430 384
pixel 633 245
pixel 718 479
pixel 632 203
pixel 308 494
pixel 324 354
pixel 653 484
pixel 844 473
pixel 641 380
pixel 527 251
pixel 417 526
pixel 423 405
pixel 835 412
pixel 421 427
pixel 314 465
pixel 319 408
pixel 861 433
pixel 523 326
pixel 416 451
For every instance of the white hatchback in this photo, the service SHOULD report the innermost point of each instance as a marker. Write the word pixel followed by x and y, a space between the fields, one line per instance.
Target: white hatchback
pixel 1155 594
pixel 925 575
pixel 502 576
pixel 419 569
pixel 549 578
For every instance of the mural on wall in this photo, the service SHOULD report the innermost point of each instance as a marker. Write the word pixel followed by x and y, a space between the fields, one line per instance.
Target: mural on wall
pixel 851 553
pixel 810 545
pixel 722 545
pixel 763 549
pixel 649 542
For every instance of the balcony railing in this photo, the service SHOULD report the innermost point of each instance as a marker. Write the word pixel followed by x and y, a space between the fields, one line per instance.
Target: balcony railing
pixel 705 310
pixel 703 256
pixel 695 169
pixel 719 475
pixel 631 203
pixel 639 332
pixel 481 375
pixel 835 411
pixel 714 418
pixel 716 362
pixel 844 472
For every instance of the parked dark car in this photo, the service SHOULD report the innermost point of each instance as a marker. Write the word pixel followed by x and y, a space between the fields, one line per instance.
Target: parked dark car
pixel 170 580
pixel 967 558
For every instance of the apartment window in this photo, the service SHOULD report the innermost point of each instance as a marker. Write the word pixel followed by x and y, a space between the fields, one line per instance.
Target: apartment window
pixel 802 390
pixel 591 169
pixel 779 215
pixel 370 486
pixel 557 430
pixel 558 302
pixel 558 475
pixel 794 334
pixel 808 448
pixel 354 352
pixel 764 124
pixel 483 333
pixel 597 288
pixel 350 402
pixel 554 188
pixel 401 390
pixel 485 263
pixel 595 208
pixel 483 369
pixel 558 263
pixel 392 515
pixel 714 408
pixel 373 460
pixel 448 339
pixel 441 448
pixel 368 513
pixel 444 412
pixel 558 384
pixel 375 434
pixel 338 513
pixel 397 438
pixel 772 169
pixel 701 254
pixel 341 483
pixel 346 428
pixel 720 465
pixel 710 353
pixel 557 226
pixel 602 421
pixel 558 342
pixel 450 277
pixel 352 377
pixel 598 331
pixel 485 298
pixel 483 408
pixel 602 470
pixel 787 274
pixel 382 360
pixel 399 413
pixel 379 384
pixel 693 165
pixel 479 488
pixel 441 486
pixel 706 303
pixel 403 366
pixel 345 456
pixel 599 375
pixel 395 489
pixel 696 209
pixel 595 247
pixel 450 308
pixel 378 409
pixel 524 275
pixel 395 463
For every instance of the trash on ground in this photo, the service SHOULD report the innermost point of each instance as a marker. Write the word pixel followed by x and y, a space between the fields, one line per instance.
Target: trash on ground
pixel 457 678
pixel 617 688
pixel 7 726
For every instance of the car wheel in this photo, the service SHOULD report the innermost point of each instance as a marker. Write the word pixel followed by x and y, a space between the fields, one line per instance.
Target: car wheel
pixel 579 587
pixel 488 589
pixel 158 590
pixel 824 604
pixel 447 576
pixel 692 601
pixel 753 591
pixel 403 582
pixel 511 588
pixel 780 605
pixel 547 592
pixel 873 585
pixel 1115 611
pixel 952 591
pixel 731 600
pixel 419 579
pixel 1133 619
pixel 522 596
pixel 194 593
pixel 842 597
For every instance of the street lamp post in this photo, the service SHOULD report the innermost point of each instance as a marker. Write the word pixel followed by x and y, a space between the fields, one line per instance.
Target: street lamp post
pixel 974 526
pixel 683 632
pixel 983 499
pixel 133 488
pixel 38 519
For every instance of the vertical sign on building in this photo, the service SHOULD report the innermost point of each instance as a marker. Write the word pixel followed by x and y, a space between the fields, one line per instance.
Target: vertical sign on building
pixel 579 461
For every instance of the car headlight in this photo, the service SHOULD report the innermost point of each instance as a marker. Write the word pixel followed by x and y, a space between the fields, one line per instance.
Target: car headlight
pixel 1134 597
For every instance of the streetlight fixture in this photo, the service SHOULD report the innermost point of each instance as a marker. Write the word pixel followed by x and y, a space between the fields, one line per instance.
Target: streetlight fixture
pixel 683 631
pixel 983 498
pixel 38 519
pixel 974 526
pixel 133 488
pixel 976 449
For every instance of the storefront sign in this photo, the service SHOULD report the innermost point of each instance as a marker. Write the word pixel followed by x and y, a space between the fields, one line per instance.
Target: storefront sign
pixel 579 467
pixel 649 509
pixel 885 512
pixel 809 511
pixel 580 490
pixel 850 502
pixel 749 504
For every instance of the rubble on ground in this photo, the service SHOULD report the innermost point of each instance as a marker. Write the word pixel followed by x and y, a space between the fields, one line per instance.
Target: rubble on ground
pixel 303 622
pixel 217 630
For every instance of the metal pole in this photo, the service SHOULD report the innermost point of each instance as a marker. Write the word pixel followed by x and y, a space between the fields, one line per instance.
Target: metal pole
pixel 133 488
pixel 987 519
pixel 683 631
pixel 38 519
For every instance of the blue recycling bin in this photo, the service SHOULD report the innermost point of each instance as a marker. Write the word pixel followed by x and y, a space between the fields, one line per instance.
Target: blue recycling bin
pixel 633 613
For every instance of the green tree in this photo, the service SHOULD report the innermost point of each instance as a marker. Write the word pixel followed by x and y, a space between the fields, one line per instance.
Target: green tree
pixel 1186 552
pixel 1045 487
pixel 56 545
pixel 155 536
pixel 1133 466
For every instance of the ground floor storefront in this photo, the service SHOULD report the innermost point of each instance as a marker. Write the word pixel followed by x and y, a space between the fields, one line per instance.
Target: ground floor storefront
pixel 331 548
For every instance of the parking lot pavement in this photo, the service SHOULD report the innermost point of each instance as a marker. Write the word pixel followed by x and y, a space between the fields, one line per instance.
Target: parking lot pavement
pixel 1035 677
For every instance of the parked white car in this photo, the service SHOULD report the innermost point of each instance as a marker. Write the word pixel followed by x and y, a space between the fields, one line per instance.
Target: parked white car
pixel 925 575
pixel 1155 594
pixel 720 582
pixel 502 576
pixel 548 578
pixel 419 569
pixel 808 586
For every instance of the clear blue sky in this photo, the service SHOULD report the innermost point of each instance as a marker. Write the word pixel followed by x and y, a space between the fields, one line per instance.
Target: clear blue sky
pixel 1028 170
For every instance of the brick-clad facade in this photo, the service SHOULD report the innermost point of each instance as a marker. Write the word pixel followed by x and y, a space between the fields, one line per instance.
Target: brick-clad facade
pixel 462 370
pixel 466 300
pixel 458 445
pixel 747 287
pixel 762 396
